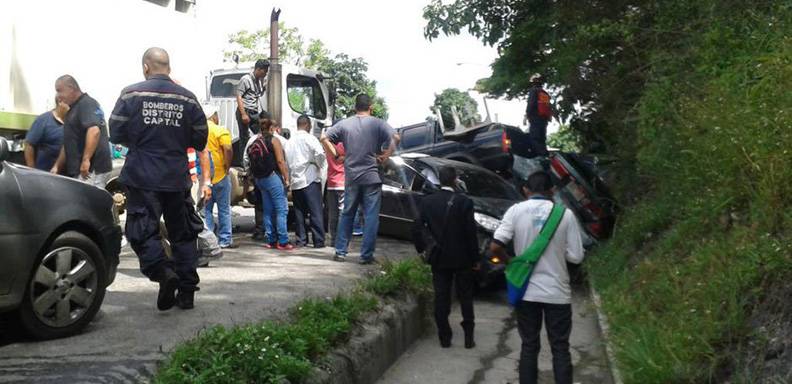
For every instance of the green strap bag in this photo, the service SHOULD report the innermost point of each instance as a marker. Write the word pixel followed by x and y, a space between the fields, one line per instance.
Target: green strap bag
pixel 519 269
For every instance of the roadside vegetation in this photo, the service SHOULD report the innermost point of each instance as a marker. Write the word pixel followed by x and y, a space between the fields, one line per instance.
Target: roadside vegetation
pixel 692 101
pixel 274 351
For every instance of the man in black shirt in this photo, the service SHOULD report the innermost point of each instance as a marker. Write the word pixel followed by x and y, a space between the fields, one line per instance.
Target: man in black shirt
pixel 158 120
pixel 86 150
pixel 448 218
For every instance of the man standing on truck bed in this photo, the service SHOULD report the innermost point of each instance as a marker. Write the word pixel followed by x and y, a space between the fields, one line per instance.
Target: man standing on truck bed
pixel 363 136
pixel 250 90
pixel 538 113
pixel 86 151
pixel 158 120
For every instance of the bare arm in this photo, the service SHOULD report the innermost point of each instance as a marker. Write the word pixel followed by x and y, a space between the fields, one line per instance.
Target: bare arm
pixel 206 174
pixel 91 141
pixel 228 153
pixel 394 143
pixel 30 155
pixel 59 162
pixel 279 158
pixel 328 146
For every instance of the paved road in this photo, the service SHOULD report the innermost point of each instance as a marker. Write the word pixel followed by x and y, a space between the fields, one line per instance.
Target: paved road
pixel 129 335
pixel 495 358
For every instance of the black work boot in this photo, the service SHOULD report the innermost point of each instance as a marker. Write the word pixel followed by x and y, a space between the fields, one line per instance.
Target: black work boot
pixel 469 342
pixel 168 283
pixel 185 298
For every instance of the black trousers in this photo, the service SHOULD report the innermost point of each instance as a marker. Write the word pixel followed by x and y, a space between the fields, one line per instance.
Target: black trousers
pixel 308 202
pixel 537 131
pixel 143 232
pixel 244 135
pixel 442 280
pixel 558 320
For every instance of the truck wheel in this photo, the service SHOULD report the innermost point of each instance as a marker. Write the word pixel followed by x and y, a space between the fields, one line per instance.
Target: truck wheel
pixel 65 289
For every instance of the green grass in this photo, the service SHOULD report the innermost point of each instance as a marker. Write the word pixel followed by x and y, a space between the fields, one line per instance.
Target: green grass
pixel 689 260
pixel 271 351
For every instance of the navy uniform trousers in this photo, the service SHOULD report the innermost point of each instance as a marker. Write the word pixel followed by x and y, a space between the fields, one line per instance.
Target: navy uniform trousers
pixel 144 209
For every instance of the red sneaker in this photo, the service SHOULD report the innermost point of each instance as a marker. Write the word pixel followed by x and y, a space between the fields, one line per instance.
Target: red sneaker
pixel 285 247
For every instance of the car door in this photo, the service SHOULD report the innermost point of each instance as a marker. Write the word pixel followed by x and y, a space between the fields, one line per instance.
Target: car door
pixel 13 228
pixel 399 201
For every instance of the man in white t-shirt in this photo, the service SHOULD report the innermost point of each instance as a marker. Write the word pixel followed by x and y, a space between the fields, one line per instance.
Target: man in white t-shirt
pixel 549 294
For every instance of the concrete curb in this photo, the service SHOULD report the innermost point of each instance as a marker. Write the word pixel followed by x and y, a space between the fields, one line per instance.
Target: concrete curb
pixel 376 344
pixel 604 329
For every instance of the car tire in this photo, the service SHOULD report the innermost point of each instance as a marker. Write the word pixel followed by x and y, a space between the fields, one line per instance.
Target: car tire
pixel 65 288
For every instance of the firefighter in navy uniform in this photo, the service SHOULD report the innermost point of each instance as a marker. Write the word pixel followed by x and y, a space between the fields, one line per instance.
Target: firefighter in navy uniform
pixel 158 120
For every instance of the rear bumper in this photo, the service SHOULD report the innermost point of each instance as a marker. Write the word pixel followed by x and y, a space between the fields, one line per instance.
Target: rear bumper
pixel 111 244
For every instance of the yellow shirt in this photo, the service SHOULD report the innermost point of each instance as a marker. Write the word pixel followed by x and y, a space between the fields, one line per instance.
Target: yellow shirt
pixel 218 137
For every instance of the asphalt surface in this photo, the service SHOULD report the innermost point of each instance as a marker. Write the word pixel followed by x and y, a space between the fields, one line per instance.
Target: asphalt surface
pixel 129 335
pixel 495 358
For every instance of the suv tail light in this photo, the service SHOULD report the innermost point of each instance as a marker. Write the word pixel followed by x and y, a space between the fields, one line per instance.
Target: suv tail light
pixel 595 229
pixel 558 169
pixel 505 142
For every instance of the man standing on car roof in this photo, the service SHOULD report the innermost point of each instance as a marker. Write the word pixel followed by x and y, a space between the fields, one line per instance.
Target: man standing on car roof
pixel 539 112
pixel 249 92
pixel 158 120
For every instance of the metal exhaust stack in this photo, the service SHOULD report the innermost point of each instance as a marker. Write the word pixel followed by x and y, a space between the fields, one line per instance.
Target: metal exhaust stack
pixel 274 84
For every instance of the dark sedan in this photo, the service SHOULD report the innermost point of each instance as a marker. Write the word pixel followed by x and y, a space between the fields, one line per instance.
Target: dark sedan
pixel 407 178
pixel 60 242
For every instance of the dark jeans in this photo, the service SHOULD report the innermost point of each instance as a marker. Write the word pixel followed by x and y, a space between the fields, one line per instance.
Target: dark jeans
pixel 308 201
pixel 442 280
pixel 143 232
pixel 244 135
pixel 558 320
pixel 537 131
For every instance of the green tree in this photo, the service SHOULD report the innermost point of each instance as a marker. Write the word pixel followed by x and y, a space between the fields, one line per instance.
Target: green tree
pixel 466 106
pixel 347 75
pixel 254 45
pixel 564 139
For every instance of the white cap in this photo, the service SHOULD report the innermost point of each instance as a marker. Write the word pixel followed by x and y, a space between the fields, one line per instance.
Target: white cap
pixel 209 109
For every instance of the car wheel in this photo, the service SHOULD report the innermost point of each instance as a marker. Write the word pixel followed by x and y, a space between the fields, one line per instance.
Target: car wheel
pixel 65 289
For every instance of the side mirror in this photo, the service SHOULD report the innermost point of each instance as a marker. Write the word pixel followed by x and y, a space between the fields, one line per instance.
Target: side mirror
pixel 5 149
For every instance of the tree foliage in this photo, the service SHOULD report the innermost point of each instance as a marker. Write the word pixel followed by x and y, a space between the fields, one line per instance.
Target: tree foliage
pixel 564 139
pixel 347 75
pixel 466 106
pixel 692 98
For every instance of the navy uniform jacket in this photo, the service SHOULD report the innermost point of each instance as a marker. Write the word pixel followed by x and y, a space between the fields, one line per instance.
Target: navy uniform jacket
pixel 157 120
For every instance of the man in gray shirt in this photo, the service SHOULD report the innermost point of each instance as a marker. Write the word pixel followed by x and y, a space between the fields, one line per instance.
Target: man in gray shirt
pixel 363 136
pixel 249 92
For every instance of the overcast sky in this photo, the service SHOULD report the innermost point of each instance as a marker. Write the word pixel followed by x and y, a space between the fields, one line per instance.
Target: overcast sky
pixel 100 43
pixel 389 36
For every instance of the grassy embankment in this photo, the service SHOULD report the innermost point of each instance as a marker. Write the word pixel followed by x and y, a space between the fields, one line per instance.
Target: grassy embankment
pixel 709 227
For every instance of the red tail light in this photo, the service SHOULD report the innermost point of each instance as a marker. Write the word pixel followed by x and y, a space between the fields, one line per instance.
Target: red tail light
pixel 558 169
pixel 595 229
pixel 505 142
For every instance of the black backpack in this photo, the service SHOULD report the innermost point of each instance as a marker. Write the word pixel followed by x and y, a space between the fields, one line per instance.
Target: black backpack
pixel 262 159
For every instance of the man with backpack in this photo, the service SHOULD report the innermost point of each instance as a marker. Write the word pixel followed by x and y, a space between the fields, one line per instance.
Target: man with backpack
pixel 267 165
pixel 546 236
pixel 447 216
pixel 538 113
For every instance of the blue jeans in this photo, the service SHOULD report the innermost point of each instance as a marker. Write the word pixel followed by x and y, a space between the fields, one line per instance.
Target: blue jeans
pixel 273 197
pixel 357 226
pixel 369 197
pixel 221 194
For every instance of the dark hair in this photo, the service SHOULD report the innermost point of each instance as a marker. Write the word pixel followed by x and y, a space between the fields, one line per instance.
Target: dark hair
pixel 538 182
pixel 262 64
pixel 69 81
pixel 303 120
pixel 447 176
pixel 362 102
pixel 264 115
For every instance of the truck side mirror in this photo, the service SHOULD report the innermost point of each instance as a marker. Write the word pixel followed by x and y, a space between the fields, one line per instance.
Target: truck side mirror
pixel 5 149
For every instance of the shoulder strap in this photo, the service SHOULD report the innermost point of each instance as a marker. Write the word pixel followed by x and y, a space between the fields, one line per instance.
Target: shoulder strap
pixel 518 269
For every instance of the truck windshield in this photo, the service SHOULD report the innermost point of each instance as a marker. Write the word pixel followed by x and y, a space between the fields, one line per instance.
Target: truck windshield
pixel 305 96
pixel 225 85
